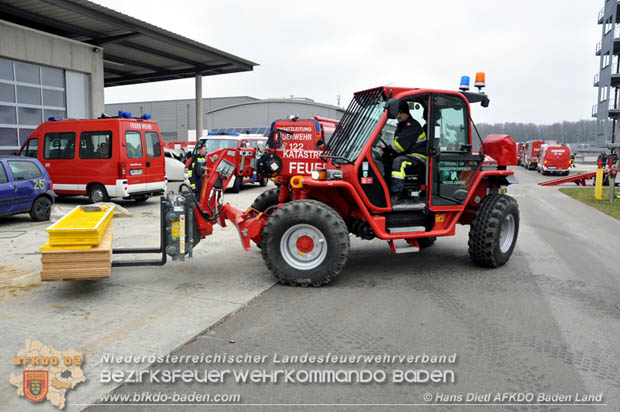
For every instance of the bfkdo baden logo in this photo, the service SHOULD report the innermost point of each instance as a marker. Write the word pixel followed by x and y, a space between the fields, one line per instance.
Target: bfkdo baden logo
pixel 47 373
pixel 35 385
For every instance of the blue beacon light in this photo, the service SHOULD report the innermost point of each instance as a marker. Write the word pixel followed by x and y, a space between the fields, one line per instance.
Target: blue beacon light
pixel 464 83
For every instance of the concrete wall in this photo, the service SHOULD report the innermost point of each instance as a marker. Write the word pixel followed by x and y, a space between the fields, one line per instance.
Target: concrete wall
pixel 176 117
pixel 33 46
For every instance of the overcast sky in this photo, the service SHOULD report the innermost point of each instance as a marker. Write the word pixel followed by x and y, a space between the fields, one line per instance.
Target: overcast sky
pixel 538 55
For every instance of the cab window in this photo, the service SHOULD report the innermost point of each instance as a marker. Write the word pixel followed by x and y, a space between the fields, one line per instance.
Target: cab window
pixel 30 148
pixel 153 147
pixel 96 145
pixel 450 123
pixel 24 170
pixel 134 144
pixel 59 146
pixel 3 177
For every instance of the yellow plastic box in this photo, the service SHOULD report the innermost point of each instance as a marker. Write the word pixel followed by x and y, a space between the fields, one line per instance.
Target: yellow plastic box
pixel 81 227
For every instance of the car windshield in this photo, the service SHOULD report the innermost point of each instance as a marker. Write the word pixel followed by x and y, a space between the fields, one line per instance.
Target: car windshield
pixel 216 144
pixel 356 124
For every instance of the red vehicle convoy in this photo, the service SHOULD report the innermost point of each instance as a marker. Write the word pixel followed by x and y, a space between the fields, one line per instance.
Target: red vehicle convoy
pixel 520 147
pixel 101 158
pixel 531 153
pixel 554 160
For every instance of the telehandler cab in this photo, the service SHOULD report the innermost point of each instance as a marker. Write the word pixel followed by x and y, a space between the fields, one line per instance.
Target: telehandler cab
pixel 303 225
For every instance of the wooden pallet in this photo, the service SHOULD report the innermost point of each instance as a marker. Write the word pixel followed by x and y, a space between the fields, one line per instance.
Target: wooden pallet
pixel 63 263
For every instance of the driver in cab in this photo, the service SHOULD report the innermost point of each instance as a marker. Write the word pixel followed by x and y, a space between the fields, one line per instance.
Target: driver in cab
pixel 408 150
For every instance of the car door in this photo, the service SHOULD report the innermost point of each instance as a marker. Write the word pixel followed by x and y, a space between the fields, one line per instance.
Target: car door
pixel 7 191
pixel 453 165
pixel 29 183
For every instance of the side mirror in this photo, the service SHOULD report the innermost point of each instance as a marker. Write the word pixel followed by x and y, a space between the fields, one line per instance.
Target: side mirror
pixel 392 108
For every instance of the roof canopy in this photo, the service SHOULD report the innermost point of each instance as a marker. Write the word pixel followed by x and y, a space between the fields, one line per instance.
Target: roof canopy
pixel 133 51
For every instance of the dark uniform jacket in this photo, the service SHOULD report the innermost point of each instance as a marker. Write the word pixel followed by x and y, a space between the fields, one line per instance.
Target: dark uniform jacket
pixel 409 138
pixel 198 164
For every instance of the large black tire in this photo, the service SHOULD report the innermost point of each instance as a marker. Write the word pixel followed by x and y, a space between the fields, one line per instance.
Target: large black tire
pixel 494 230
pixel 41 209
pixel 263 181
pixel 426 242
pixel 236 187
pixel 266 199
pixel 305 243
pixel 97 193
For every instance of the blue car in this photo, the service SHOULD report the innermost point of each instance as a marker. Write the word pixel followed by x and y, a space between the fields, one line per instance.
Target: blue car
pixel 25 186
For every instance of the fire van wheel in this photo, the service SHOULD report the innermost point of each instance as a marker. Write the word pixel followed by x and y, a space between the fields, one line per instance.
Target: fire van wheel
pixel 494 230
pixel 263 181
pixel 305 243
pixel 97 193
pixel 236 187
pixel 41 209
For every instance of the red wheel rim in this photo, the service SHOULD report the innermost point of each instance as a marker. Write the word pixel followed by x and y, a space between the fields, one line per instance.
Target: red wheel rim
pixel 305 244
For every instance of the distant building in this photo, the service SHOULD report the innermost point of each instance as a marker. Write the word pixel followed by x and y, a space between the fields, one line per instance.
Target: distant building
pixel 607 108
pixel 225 114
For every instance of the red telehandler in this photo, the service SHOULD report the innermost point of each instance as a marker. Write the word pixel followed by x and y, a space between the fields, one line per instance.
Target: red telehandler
pixel 303 226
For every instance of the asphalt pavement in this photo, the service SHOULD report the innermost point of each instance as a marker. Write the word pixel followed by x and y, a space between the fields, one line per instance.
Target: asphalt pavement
pixel 544 325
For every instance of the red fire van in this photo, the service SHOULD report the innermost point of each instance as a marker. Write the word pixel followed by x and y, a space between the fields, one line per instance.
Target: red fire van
pixel 102 158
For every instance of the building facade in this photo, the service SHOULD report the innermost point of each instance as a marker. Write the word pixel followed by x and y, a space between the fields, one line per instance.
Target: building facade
pixel 607 107
pixel 57 56
pixel 41 76
pixel 177 119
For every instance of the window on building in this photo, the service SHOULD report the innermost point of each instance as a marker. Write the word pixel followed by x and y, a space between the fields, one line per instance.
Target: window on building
pixel 7 93
pixel 604 91
pixel 7 115
pixel 605 60
pixel 153 148
pixel 8 137
pixel 24 169
pixel 96 145
pixel 31 94
pixel 6 70
pixel 59 146
pixel 134 145
pixel 609 25
pixel 30 116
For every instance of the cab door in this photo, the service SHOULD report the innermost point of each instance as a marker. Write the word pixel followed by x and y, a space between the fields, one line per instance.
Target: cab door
pixel 7 191
pixel 453 165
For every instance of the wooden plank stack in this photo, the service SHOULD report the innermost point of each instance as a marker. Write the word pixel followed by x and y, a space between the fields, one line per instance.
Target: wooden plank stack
pixel 79 262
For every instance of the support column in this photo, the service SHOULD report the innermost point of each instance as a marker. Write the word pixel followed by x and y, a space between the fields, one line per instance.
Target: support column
pixel 198 106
